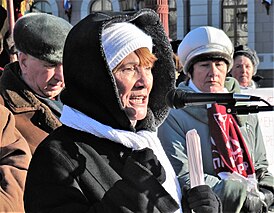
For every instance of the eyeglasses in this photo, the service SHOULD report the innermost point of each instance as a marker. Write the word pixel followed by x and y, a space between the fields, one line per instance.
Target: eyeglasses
pixel 132 70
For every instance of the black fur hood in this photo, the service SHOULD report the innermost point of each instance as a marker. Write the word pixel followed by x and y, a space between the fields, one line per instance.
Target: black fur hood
pixel 90 85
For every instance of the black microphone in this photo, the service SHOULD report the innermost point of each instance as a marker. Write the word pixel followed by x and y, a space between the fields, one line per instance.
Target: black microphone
pixel 178 98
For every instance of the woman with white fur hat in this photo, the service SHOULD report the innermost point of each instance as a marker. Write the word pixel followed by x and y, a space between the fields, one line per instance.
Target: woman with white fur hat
pixel 107 157
pixel 233 151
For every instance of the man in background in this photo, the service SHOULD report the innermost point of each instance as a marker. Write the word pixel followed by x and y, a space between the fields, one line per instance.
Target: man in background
pixel 30 87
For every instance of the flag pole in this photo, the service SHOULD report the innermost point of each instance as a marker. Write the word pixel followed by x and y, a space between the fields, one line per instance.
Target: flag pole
pixel 10 15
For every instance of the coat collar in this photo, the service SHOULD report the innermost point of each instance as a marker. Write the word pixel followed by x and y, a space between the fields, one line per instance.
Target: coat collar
pixel 18 96
pixel 16 93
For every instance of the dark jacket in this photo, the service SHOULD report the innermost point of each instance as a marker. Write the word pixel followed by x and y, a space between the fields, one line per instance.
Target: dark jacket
pixel 74 171
pixel 34 119
pixel 14 161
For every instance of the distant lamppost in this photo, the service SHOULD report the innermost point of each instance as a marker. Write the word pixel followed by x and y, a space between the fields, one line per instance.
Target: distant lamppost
pixel 162 10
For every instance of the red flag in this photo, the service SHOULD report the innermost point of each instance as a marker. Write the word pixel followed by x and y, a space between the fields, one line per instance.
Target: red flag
pixel 229 151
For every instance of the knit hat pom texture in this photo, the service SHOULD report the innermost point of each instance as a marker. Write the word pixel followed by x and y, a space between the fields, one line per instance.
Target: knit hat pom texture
pixel 120 39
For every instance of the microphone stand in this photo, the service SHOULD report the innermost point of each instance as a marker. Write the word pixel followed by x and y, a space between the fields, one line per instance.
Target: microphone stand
pixel 246 109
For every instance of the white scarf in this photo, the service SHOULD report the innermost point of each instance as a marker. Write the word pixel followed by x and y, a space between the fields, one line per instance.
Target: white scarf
pixel 142 139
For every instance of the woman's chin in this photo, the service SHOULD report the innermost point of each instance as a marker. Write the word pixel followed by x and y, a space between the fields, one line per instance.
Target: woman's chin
pixel 136 114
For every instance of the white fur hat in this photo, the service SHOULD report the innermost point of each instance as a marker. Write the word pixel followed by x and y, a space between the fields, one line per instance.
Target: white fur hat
pixel 120 39
pixel 205 42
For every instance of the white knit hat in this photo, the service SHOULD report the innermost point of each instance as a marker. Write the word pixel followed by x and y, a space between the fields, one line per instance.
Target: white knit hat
pixel 120 39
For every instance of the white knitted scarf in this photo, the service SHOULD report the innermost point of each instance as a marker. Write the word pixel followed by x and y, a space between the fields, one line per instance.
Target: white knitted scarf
pixel 142 139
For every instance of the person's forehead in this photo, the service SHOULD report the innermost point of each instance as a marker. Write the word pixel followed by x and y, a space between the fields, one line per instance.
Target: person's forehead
pixel 40 61
pixel 242 58
pixel 211 60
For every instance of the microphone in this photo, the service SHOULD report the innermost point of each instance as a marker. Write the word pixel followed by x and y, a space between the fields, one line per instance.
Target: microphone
pixel 178 98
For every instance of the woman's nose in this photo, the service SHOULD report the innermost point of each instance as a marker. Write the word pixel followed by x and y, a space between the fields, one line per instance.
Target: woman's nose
pixel 144 77
pixel 213 69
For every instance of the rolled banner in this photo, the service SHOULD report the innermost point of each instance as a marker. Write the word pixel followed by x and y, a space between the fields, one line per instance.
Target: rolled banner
pixel 195 161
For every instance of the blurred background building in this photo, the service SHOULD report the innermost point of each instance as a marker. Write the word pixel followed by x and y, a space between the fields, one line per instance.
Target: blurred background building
pixel 248 22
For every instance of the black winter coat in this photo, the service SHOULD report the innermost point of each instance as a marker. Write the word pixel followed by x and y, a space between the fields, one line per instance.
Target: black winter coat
pixel 91 175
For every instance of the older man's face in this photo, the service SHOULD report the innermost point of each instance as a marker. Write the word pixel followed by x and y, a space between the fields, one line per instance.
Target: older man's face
pixel 43 78
pixel 209 76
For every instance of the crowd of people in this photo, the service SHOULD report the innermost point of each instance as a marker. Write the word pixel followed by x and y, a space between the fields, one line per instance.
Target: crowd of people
pixel 85 128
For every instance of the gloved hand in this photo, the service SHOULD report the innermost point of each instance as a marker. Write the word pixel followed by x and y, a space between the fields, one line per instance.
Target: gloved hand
pixel 143 172
pixel 252 204
pixel 268 197
pixel 260 173
pixel 201 199
pixel 148 159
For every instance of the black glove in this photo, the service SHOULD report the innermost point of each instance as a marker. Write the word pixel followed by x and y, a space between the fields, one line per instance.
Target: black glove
pixel 185 204
pixel 143 172
pixel 253 204
pixel 201 199
pixel 269 197
pixel 147 158
pixel 260 173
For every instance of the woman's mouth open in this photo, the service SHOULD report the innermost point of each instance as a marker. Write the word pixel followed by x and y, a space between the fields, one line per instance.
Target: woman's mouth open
pixel 138 100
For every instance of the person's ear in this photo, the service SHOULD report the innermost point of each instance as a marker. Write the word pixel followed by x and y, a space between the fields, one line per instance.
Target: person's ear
pixel 22 58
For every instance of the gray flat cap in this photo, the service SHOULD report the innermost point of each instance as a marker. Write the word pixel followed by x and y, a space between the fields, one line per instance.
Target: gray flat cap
pixel 42 36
